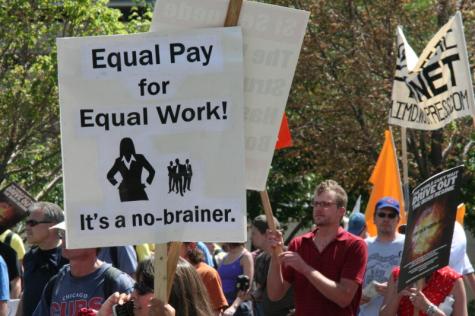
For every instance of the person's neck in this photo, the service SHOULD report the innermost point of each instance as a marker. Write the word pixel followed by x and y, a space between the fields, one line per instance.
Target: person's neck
pixel 50 243
pixel 386 238
pixel 327 232
pixel 236 250
pixel 324 236
pixel 84 266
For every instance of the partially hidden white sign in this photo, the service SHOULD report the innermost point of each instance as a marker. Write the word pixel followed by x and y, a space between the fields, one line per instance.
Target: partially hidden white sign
pixel 273 36
pixel 436 88
pixel 152 137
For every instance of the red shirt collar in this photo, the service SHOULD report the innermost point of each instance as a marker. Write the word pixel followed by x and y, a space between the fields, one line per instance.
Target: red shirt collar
pixel 340 235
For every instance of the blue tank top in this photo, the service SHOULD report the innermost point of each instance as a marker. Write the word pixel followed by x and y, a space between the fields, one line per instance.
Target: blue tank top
pixel 229 273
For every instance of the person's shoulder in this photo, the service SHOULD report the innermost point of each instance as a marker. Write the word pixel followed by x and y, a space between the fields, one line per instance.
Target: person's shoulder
pixel 400 238
pixel 8 253
pixel 370 240
pixel 353 243
pixel 307 235
pixel 3 264
pixel 448 273
pixel 205 269
pixel 115 275
pixel 297 241
pixel 348 237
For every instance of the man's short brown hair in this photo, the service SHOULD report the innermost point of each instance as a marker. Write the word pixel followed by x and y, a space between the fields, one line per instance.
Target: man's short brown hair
pixel 332 185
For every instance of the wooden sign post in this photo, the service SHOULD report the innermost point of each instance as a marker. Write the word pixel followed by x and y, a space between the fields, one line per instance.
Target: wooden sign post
pixel 269 216
pixel 166 256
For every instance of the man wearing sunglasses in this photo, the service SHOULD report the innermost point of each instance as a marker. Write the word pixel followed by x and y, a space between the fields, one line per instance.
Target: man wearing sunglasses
pixel 44 259
pixel 384 253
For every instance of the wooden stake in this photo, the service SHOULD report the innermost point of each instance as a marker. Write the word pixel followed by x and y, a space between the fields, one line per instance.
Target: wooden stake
pixel 166 258
pixel 269 216
pixel 160 268
pixel 173 255
pixel 234 10
pixel 405 172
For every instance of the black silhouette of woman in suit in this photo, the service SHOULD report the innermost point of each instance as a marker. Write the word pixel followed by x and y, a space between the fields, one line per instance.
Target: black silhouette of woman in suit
pixel 130 166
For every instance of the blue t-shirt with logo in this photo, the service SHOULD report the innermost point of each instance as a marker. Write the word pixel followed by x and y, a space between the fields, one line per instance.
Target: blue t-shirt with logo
pixel 70 293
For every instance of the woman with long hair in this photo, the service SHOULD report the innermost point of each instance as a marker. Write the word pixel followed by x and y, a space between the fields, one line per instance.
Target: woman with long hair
pixel 188 296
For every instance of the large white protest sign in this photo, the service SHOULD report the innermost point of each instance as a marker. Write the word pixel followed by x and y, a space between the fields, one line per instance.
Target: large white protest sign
pixel 431 91
pixel 272 37
pixel 152 141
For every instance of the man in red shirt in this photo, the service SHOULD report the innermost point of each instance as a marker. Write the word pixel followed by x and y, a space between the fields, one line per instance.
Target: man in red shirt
pixel 325 266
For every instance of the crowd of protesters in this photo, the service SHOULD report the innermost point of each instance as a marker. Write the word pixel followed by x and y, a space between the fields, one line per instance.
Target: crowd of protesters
pixel 330 270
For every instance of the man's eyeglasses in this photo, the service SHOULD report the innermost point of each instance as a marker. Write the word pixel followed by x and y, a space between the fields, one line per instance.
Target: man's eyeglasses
pixel 323 204
pixel 33 223
pixel 142 288
pixel 388 215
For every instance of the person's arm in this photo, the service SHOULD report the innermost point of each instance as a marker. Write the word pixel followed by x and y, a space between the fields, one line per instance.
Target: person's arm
pixel 115 298
pixel 460 297
pixel 15 285
pixel 391 299
pixel 422 303
pixel 3 308
pixel 341 293
pixel 470 279
pixel 247 264
pixel 149 168
pixel 113 171
pixel 4 291
pixel 276 285
pixel 19 310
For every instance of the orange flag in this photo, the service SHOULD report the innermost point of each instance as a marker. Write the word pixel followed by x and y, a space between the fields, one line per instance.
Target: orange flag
pixel 284 139
pixel 460 213
pixel 386 182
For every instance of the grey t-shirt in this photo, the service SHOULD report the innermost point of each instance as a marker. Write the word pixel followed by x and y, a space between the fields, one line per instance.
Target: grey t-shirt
pixel 70 293
pixel 382 258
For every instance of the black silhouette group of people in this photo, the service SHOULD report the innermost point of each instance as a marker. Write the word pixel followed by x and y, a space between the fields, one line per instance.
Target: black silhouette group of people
pixel 179 177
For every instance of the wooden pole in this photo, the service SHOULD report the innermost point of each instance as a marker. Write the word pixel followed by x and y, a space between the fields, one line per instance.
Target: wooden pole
pixel 160 268
pixel 269 216
pixel 173 255
pixel 405 173
pixel 234 10
pixel 166 258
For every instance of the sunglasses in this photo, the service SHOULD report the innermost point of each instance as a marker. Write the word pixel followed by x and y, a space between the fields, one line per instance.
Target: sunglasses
pixel 388 215
pixel 33 223
pixel 142 288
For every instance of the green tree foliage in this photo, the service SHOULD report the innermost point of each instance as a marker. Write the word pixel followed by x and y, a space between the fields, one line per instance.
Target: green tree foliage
pixel 30 147
pixel 337 109
pixel 341 95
